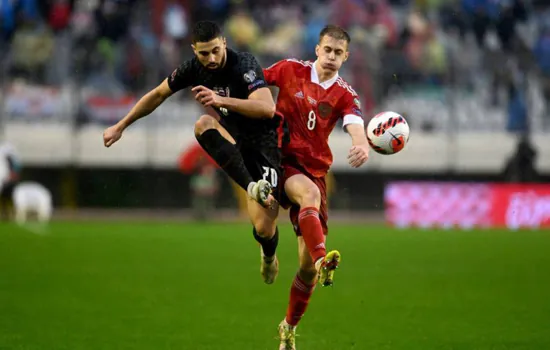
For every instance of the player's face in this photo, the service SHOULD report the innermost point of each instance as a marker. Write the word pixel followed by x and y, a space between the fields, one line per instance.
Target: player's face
pixel 332 53
pixel 211 54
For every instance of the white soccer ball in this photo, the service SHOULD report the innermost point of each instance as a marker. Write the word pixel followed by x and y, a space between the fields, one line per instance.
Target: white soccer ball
pixel 388 133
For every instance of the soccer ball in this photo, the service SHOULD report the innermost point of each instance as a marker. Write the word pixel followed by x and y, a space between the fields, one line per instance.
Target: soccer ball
pixel 388 133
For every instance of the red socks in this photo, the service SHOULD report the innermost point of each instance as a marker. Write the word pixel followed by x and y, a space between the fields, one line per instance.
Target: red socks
pixel 312 231
pixel 300 292
pixel 299 299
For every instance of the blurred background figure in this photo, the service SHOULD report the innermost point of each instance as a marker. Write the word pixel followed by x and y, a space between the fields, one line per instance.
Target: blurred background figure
pixel 204 181
pixel 10 169
pixel 32 203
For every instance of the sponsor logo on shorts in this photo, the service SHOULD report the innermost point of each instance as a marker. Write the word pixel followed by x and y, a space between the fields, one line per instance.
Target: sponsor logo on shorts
pixel 357 103
pixel 221 91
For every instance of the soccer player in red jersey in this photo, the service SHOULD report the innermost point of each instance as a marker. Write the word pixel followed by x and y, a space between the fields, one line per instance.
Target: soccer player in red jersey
pixel 313 97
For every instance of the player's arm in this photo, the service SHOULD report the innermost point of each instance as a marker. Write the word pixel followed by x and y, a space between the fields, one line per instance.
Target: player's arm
pixel 250 76
pixel 259 104
pixel 179 79
pixel 147 104
pixel 355 127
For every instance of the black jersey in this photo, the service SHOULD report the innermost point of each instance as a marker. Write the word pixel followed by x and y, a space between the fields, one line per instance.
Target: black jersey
pixel 241 76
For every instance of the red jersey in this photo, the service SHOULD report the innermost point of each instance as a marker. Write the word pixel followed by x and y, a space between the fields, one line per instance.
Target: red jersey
pixel 311 110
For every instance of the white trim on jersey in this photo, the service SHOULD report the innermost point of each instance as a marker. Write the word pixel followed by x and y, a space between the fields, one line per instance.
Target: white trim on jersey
pixel 325 84
pixel 353 119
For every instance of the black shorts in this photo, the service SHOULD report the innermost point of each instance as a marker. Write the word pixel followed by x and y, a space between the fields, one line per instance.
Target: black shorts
pixel 264 163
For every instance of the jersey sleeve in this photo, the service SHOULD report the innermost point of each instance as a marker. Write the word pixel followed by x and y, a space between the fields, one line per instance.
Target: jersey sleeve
pixel 250 74
pixel 274 73
pixel 181 77
pixel 351 110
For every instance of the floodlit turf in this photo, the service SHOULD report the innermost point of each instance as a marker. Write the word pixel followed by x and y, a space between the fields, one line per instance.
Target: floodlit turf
pixel 192 286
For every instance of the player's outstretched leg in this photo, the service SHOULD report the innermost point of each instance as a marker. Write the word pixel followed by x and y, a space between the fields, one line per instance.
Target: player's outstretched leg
pixel 266 233
pixel 304 192
pixel 219 144
pixel 300 293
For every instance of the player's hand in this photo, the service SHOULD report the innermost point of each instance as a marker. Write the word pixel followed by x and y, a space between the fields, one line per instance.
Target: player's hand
pixel 358 155
pixel 111 135
pixel 207 97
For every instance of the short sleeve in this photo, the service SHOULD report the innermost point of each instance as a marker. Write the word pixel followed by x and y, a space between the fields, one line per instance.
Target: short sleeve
pixel 351 110
pixel 181 77
pixel 251 74
pixel 274 72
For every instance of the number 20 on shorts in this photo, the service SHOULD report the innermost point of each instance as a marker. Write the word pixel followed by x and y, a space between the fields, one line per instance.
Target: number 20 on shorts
pixel 270 172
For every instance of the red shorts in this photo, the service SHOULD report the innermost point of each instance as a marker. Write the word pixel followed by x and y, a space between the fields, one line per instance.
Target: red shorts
pixel 290 170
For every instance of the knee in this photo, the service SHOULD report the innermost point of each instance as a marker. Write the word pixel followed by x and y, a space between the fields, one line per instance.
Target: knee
pixel 311 197
pixel 204 123
pixel 265 227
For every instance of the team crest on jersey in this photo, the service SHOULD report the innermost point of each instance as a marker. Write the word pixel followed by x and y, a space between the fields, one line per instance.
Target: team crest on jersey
pixel 312 101
pixel 221 91
pixel 249 76
pixel 325 109
pixel 357 103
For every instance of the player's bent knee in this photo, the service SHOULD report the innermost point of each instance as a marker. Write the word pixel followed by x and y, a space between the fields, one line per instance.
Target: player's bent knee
pixel 311 197
pixel 204 123
pixel 265 227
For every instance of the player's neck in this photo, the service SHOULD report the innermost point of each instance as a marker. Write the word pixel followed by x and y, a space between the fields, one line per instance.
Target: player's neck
pixel 324 74
pixel 224 61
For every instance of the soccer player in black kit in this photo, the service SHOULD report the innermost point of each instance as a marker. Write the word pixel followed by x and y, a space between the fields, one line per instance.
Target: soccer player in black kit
pixel 241 131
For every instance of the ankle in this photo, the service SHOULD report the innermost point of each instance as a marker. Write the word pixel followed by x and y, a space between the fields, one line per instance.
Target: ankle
pixel 319 263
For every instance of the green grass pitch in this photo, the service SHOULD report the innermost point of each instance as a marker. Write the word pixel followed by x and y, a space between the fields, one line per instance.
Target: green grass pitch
pixel 197 286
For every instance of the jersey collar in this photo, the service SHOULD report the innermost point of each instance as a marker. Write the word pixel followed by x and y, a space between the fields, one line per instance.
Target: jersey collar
pixel 315 78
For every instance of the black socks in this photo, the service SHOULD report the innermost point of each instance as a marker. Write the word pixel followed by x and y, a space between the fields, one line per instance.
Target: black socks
pixel 226 155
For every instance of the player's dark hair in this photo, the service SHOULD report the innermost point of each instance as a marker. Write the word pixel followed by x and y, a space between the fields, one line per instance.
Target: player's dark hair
pixel 205 31
pixel 335 32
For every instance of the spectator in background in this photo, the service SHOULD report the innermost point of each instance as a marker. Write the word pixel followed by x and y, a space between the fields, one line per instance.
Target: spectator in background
pixel 32 48
pixel 176 29
pixel 521 165
pixel 541 52
pixel 243 31
pixel 7 22
pixel 425 50
pixel 57 13
pixel 285 38
pixel 480 14
pixel 112 24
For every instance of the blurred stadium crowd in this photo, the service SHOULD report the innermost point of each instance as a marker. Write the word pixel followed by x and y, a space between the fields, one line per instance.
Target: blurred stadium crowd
pixel 459 64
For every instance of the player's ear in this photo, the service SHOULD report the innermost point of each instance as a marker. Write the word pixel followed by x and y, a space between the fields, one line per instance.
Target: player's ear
pixel 317 48
pixel 194 48
pixel 346 56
